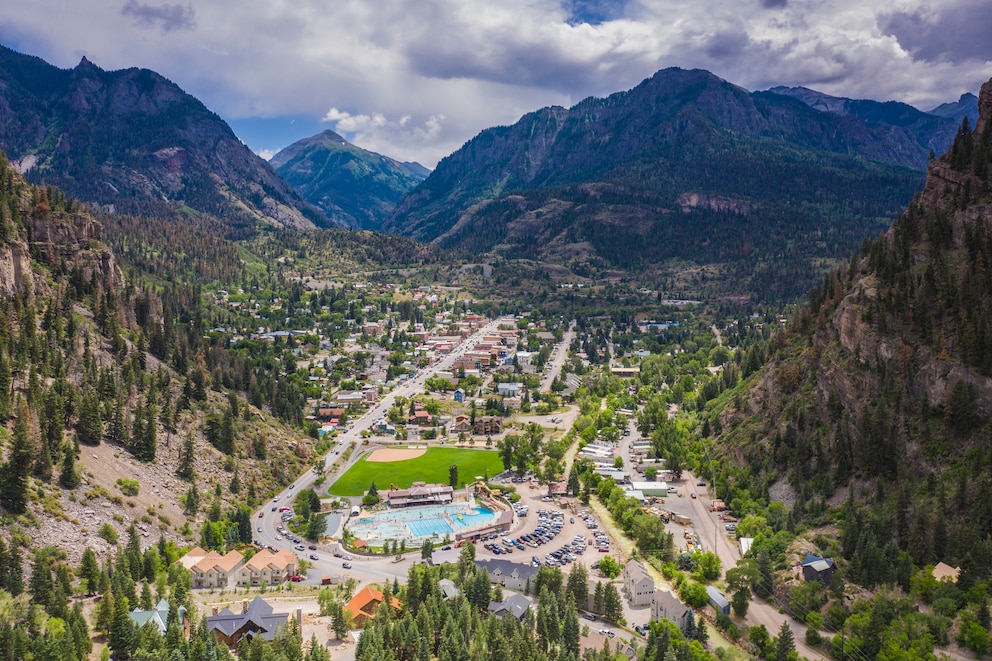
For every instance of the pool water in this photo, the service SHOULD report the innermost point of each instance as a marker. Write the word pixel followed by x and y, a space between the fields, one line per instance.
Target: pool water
pixel 415 523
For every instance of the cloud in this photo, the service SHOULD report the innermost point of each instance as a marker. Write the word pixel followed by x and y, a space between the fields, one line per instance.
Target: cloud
pixel 774 4
pixel 267 154
pixel 955 33
pixel 167 17
pixel 374 131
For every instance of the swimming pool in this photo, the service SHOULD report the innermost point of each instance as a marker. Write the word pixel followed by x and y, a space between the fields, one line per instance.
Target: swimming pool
pixel 418 523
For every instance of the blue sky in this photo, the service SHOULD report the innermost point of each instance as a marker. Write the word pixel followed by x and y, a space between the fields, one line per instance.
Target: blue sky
pixel 415 80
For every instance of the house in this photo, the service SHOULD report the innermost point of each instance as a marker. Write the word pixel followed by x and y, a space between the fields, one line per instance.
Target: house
pixel 666 606
pixel 638 584
pixel 944 572
pixel 509 389
pixel 255 619
pixel 158 617
pixel 420 493
pixel 816 568
pixel 348 398
pixel 211 569
pixel 717 600
pixel 461 425
pixel 448 588
pixel 458 395
pixel 365 603
pixel 268 568
pixel 511 575
pixel 625 372
pixel 488 425
pixel 514 606
pixel 420 417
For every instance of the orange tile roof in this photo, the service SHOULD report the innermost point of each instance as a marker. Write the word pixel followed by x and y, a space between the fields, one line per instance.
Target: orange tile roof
pixel 367 600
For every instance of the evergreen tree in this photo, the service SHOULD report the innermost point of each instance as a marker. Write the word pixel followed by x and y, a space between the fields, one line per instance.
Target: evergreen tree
pixel 785 644
pixel 89 426
pixel 122 636
pixel 185 468
pixel 16 472
pixel 69 476
pixel 89 570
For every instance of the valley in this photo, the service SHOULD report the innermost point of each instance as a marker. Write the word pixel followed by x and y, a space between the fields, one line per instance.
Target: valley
pixel 674 401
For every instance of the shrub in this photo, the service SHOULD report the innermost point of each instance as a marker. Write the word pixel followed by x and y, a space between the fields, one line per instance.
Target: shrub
pixel 109 533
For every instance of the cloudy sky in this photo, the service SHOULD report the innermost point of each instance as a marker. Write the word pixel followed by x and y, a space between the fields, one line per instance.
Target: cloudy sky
pixel 415 79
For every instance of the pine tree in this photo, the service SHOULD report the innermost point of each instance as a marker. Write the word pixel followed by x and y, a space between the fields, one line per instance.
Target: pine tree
pixel 89 426
pixel 69 476
pixel 785 644
pixel 16 472
pixel 122 635
pixel 185 468
pixel 89 571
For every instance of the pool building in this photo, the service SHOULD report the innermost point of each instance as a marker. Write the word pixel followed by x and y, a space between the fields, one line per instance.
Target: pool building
pixel 420 493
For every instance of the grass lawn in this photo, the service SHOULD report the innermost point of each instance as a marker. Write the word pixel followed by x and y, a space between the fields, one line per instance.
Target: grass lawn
pixel 432 466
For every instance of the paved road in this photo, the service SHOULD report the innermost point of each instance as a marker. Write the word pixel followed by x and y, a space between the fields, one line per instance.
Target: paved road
pixel 326 563
pixel 558 358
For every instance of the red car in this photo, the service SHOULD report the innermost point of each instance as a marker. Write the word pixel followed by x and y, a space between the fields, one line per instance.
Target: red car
pixel 261 514
pixel 296 579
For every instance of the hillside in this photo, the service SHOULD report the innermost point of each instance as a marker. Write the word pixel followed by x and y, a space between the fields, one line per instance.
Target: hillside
pixel 84 405
pixel 134 142
pixel 688 168
pixel 352 186
pixel 880 389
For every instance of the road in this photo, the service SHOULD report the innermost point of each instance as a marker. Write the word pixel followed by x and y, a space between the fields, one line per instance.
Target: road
pixel 558 358
pixel 268 517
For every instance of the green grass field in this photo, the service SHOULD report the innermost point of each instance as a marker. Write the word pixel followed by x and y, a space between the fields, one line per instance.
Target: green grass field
pixel 432 466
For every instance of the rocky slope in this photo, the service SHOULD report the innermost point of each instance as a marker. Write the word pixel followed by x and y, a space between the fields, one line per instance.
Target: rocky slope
pixel 134 142
pixel 352 186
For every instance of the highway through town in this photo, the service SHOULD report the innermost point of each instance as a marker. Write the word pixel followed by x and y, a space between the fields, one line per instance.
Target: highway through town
pixel 268 518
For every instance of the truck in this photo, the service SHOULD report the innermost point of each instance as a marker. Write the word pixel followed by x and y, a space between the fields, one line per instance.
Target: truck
pixel 718 505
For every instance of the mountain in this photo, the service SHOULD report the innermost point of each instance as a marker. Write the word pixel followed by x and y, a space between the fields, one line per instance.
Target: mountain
pixel 352 186
pixel 134 142
pixel 879 390
pixel 928 131
pixel 684 170
pixel 965 106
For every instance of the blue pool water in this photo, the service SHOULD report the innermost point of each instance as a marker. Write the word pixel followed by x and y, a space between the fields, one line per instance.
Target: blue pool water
pixel 420 522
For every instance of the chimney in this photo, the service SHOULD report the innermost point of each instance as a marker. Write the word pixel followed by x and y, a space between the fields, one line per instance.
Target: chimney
pixel 244 606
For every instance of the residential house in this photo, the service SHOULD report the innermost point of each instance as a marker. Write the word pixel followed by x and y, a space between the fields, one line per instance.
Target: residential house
pixel 638 584
pixel 421 418
pixel 717 600
pixel 448 588
pixel 944 572
pixel 665 605
pixel 268 568
pixel 511 575
pixel 513 606
pixel 213 570
pixel 816 568
pixel 365 603
pixel 506 389
pixel 458 395
pixel 462 424
pixel 488 425
pixel 159 617
pixel 255 619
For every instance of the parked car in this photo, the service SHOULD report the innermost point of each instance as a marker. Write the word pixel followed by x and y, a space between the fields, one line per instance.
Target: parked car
pixel 296 579
pixel 313 556
pixel 346 565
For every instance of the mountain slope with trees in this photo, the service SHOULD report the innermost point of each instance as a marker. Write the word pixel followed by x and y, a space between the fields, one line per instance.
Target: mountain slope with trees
pixel 684 167
pixel 871 418
pixel 354 187
pixel 134 142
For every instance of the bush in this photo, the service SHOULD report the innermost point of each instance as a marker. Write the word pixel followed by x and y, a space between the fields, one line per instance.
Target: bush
pixel 109 533
pixel 128 487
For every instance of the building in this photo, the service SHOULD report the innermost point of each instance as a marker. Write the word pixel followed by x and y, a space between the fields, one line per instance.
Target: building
pixel 158 617
pixel 255 619
pixel 506 389
pixel 944 572
pixel 488 425
pixel 511 575
pixel 638 584
pixel 420 494
pixel 365 603
pixel 268 568
pixel 513 606
pixel 625 372
pixel 458 395
pixel 211 569
pixel 448 588
pixel 461 425
pixel 651 488
pixel 717 600
pixel 816 568
pixel 666 606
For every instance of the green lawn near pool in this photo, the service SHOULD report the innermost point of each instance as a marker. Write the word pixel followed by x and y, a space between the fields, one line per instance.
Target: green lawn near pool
pixel 430 467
